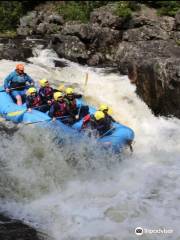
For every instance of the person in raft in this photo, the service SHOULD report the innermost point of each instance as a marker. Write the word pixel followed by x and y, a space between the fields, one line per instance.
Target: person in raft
pixel 75 112
pixel 33 101
pixel 18 81
pixel 97 123
pixel 58 108
pixel 46 92
pixel 105 109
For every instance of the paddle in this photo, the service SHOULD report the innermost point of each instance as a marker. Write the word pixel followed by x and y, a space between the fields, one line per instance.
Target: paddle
pixel 10 89
pixel 84 89
pixel 108 131
pixel 16 113
pixel 45 120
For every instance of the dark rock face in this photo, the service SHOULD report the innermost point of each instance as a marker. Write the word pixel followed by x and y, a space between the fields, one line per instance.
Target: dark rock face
pixel 38 22
pixel 16 230
pixel 19 49
pixel 158 83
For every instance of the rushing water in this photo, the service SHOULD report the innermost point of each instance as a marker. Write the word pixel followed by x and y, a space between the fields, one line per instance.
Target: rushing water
pixel 76 191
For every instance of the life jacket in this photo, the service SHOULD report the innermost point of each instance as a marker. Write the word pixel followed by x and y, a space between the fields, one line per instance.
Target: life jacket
pixel 46 92
pixel 18 85
pixel 20 82
pixel 101 127
pixel 71 103
pixel 59 109
pixel 35 101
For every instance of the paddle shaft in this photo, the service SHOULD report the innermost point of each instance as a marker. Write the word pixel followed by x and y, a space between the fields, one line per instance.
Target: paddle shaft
pixel 45 120
pixel 107 132
pixel 10 89
pixel 85 84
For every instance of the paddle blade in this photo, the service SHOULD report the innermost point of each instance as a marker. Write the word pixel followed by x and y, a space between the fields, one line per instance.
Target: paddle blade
pixel 16 113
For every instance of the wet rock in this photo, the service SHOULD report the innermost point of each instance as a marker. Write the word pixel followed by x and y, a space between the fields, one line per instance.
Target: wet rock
pixel 70 47
pixel 94 60
pixel 105 17
pixel 47 28
pixel 167 23
pixel 84 32
pixel 39 22
pixel 158 83
pixel 145 33
pixel 15 230
pixel 55 18
pixel 29 20
pixel 19 49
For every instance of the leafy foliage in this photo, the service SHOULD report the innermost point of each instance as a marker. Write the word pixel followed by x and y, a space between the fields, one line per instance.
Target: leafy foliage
pixel 11 11
pixel 124 9
pixel 164 7
pixel 78 10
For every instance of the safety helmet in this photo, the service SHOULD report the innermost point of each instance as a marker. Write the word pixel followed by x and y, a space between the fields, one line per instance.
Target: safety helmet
pixel 57 95
pixel 103 107
pixel 69 91
pixel 31 90
pixel 99 115
pixel 43 82
pixel 20 67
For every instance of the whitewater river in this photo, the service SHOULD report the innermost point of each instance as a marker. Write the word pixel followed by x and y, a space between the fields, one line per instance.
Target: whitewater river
pixel 76 191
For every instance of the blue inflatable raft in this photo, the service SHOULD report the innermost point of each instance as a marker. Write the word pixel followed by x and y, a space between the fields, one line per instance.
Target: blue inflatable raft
pixel 117 137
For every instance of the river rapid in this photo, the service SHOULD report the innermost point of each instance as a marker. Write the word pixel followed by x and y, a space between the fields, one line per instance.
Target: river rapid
pixel 76 191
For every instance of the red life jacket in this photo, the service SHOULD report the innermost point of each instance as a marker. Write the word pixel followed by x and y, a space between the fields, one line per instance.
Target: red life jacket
pixel 60 109
pixel 71 103
pixel 48 92
pixel 36 101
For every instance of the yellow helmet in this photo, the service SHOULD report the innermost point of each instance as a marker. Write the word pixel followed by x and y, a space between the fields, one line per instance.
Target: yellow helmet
pixel 31 90
pixel 99 115
pixel 69 91
pixel 43 82
pixel 57 95
pixel 103 107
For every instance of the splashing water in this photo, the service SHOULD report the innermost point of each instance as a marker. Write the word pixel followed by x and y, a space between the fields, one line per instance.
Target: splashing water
pixel 76 191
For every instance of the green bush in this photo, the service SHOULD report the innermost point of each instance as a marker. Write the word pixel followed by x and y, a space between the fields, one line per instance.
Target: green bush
pixel 10 13
pixel 78 10
pixel 72 11
pixel 123 10
pixel 164 7
pixel 169 8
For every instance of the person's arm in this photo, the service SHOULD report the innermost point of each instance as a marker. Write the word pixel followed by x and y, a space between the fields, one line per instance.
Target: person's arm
pixel 7 80
pixel 42 96
pixel 112 119
pixel 51 111
pixel 28 103
pixel 29 80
